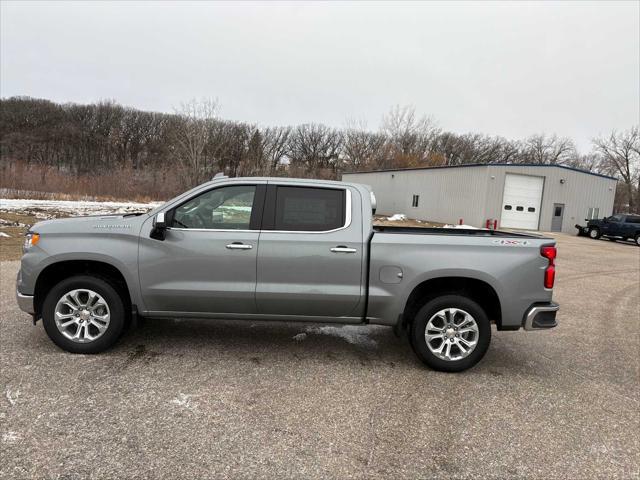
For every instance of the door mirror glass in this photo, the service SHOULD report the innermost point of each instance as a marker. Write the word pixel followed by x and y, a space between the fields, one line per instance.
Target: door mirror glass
pixel 159 221
pixel 159 230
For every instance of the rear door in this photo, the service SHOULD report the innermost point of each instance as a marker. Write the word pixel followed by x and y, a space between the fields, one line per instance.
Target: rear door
pixel 207 262
pixel 311 251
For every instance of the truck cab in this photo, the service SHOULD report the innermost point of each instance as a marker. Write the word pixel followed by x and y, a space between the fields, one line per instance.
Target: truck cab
pixel 616 227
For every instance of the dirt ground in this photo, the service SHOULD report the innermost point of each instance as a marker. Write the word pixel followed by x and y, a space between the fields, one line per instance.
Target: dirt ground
pixel 222 399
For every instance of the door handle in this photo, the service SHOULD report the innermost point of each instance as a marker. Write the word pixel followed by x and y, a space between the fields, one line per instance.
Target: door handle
pixel 239 246
pixel 343 249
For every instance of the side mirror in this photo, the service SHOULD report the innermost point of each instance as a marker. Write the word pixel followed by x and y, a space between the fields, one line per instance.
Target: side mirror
pixel 159 229
pixel 605 219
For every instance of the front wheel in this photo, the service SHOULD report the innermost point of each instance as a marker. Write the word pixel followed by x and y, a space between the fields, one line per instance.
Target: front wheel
pixel 83 314
pixel 594 233
pixel 450 333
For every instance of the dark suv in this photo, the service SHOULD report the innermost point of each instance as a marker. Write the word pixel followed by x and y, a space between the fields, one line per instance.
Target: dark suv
pixel 617 227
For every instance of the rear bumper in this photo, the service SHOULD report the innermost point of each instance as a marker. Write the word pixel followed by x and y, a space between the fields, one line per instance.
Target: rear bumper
pixel 541 316
pixel 25 302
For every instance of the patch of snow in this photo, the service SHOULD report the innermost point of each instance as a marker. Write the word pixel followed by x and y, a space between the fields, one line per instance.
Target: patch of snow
pixel 184 400
pixel 73 207
pixel 354 334
pixel 12 397
pixel 467 227
pixel 397 217
pixel 237 208
pixel 10 437
pixel 300 337
pixel 3 234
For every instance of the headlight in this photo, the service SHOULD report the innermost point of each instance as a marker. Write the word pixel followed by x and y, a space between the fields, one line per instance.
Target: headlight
pixel 30 239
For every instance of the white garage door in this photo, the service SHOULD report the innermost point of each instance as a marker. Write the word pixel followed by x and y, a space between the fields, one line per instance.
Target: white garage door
pixel 521 201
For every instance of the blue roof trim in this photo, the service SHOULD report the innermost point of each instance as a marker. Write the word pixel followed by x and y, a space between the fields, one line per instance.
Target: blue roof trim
pixel 485 165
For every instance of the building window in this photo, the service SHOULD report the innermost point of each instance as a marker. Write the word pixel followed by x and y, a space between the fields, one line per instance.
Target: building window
pixel 508 207
pixel 520 209
pixel 594 212
pixel 415 200
pixel 531 209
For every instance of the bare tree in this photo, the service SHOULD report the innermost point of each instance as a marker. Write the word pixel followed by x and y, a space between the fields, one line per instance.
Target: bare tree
pixel 275 148
pixel 361 148
pixel 409 136
pixel 621 157
pixel 315 148
pixel 192 135
pixel 548 150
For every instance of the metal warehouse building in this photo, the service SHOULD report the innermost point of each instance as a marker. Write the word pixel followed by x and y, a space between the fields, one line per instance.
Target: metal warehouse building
pixel 529 197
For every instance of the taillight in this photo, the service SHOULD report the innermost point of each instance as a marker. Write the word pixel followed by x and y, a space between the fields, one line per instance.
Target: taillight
pixel 549 252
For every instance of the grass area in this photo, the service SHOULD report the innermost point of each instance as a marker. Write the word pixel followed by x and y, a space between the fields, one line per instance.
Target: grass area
pixel 15 225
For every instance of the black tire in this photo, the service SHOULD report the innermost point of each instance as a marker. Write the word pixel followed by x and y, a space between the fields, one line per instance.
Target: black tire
pixel 110 296
pixel 594 233
pixel 419 324
pixel 637 239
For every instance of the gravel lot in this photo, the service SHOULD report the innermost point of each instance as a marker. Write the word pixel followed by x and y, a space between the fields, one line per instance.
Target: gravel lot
pixel 196 399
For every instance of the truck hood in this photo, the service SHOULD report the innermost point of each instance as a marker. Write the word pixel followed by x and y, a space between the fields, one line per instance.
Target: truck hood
pixel 98 224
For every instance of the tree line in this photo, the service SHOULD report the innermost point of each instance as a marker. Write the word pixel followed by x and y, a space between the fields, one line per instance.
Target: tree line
pixel 107 140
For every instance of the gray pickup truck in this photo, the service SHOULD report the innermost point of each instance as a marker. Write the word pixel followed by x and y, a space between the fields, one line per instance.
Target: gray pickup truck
pixel 286 250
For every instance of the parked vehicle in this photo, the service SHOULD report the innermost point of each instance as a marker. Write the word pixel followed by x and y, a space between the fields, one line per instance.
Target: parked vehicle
pixel 284 249
pixel 616 227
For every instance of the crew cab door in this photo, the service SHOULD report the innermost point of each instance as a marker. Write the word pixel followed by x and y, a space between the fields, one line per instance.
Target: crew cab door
pixel 206 263
pixel 613 226
pixel 311 252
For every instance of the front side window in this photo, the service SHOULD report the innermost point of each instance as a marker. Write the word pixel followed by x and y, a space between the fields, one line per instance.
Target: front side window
pixel 225 208
pixel 309 209
pixel 616 218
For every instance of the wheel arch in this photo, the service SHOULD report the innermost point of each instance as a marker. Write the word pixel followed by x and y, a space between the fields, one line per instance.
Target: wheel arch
pixel 54 273
pixel 477 290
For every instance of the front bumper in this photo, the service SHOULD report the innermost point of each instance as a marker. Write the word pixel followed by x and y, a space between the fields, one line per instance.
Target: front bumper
pixel 25 302
pixel 541 316
pixel 582 229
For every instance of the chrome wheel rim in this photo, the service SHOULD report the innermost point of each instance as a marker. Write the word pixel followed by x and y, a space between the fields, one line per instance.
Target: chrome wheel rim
pixel 82 315
pixel 593 233
pixel 451 334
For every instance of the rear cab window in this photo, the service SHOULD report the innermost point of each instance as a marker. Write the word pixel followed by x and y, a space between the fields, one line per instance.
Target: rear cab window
pixel 305 209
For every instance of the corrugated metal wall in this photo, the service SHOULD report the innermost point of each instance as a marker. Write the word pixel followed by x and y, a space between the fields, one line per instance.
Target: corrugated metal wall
pixel 475 193
pixel 578 193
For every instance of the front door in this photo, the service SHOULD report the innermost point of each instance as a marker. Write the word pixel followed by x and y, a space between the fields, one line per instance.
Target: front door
pixel 556 220
pixel 207 262
pixel 311 253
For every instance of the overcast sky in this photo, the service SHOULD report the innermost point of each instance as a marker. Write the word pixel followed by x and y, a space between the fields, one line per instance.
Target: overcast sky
pixel 510 69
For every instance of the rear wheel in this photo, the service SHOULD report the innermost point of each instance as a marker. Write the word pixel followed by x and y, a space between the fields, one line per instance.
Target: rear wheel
pixel 450 333
pixel 83 314
pixel 638 239
pixel 594 233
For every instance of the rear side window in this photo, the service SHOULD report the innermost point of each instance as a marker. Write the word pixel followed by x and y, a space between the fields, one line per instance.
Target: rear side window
pixel 632 219
pixel 309 209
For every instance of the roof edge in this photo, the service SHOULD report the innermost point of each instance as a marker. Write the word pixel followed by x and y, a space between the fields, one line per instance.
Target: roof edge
pixel 579 170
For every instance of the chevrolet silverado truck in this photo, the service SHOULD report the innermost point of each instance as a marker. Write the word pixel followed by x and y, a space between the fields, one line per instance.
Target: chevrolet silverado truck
pixel 285 250
pixel 616 227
